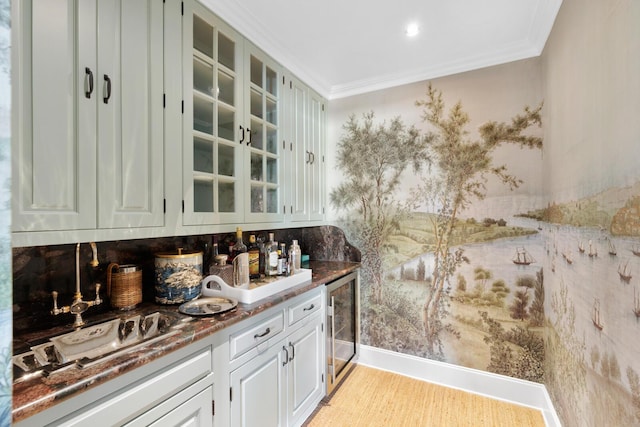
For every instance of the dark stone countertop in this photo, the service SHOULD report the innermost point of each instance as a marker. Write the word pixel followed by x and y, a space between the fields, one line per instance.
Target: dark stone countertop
pixel 36 394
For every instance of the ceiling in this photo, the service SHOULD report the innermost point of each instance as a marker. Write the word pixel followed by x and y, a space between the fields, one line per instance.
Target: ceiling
pixel 346 47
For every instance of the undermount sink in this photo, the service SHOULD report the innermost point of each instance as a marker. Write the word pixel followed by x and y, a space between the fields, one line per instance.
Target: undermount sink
pixel 96 343
pixel 214 286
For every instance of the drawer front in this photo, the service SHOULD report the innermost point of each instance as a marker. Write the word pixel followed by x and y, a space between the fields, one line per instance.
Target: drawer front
pixel 304 309
pixel 248 338
pixel 145 395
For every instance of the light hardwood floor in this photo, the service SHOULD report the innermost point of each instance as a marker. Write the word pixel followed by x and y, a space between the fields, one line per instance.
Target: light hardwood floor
pixel 371 397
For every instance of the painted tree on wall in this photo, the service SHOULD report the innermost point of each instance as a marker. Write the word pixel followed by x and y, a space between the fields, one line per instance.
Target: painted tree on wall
pixel 372 158
pixel 462 166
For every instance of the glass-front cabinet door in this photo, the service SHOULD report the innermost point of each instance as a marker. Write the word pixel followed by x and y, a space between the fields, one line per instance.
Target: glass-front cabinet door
pixel 212 116
pixel 263 157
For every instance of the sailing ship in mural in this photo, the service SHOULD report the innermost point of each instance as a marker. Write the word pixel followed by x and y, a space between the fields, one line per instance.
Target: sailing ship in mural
pixel 593 250
pixel 568 256
pixel 624 272
pixel 522 257
pixel 612 248
pixel 636 303
pixel 595 317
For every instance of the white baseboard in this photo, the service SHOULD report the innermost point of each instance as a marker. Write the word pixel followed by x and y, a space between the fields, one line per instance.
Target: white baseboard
pixel 512 390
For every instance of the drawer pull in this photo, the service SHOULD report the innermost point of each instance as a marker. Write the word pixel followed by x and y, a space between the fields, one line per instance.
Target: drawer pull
pixel 286 357
pixel 311 307
pixel 264 334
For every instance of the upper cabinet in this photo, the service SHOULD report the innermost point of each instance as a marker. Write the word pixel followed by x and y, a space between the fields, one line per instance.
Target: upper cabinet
pixel 305 141
pixel 88 102
pixel 232 159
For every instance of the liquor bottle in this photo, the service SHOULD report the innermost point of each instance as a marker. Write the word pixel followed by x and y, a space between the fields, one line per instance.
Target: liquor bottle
pixel 295 255
pixel 238 247
pixel 271 258
pixel 283 262
pixel 254 258
pixel 261 247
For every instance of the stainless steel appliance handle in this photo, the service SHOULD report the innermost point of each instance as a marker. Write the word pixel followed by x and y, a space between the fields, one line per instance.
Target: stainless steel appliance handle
pixel 333 341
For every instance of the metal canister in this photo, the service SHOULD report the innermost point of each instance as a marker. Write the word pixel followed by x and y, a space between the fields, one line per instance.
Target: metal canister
pixel 178 276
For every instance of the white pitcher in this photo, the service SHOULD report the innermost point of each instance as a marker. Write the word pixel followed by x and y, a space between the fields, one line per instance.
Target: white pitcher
pixel 241 271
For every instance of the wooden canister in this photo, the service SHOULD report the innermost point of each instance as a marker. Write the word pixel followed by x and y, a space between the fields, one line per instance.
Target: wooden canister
pixel 124 286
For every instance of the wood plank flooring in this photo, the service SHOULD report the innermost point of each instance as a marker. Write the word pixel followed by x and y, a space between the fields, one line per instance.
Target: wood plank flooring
pixel 371 397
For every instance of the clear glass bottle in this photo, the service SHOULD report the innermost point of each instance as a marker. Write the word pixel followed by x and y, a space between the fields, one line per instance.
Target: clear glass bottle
pixel 238 247
pixel 271 258
pixel 254 258
pixel 295 255
pixel 283 261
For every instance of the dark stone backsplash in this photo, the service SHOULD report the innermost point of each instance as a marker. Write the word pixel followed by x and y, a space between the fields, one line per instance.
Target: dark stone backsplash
pixel 39 270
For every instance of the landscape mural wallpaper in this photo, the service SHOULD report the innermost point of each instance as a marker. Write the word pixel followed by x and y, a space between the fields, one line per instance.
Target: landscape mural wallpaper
pixel 498 214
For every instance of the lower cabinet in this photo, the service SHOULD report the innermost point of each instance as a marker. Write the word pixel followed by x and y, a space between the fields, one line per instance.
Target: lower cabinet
pixel 176 390
pixel 278 381
pixel 192 407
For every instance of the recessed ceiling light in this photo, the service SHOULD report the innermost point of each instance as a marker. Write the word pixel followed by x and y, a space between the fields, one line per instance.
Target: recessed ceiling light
pixel 412 30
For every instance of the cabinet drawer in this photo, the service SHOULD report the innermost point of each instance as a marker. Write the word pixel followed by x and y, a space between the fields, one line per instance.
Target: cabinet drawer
pixel 145 395
pixel 303 309
pixel 246 339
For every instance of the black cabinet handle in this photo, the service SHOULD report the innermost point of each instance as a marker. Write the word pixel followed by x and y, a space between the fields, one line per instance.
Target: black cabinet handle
pixel 249 132
pixel 241 134
pixel 107 89
pixel 313 158
pixel 311 307
pixel 286 357
pixel 264 334
pixel 293 352
pixel 88 82
pixel 308 157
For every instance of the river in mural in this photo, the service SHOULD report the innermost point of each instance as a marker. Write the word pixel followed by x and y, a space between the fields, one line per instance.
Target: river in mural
pixel 589 279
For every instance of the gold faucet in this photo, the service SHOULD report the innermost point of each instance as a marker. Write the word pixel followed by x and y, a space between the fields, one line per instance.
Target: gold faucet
pixel 78 306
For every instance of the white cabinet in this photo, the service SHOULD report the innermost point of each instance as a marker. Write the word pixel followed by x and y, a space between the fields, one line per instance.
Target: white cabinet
pixel 258 396
pixel 174 390
pixel 305 385
pixel 232 165
pixel 88 137
pixel 306 120
pixel 279 380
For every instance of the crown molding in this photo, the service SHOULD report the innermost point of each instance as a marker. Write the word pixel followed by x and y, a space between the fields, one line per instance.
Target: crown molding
pixel 252 27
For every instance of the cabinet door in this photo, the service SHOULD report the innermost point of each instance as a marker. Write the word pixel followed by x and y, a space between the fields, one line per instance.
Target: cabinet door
pixel 130 113
pixel 263 156
pixel 54 145
pixel 316 147
pixel 305 386
pixel 213 134
pixel 257 394
pixel 299 165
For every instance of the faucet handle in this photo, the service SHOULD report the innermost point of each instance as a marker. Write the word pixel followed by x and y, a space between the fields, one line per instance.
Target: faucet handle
pixel 55 311
pixel 97 300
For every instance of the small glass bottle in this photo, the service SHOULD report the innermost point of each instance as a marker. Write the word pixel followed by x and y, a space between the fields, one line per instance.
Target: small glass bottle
pixel 295 255
pixel 238 247
pixel 254 258
pixel 283 262
pixel 271 258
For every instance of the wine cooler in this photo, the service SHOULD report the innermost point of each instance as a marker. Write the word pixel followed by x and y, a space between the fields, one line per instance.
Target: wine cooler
pixel 343 327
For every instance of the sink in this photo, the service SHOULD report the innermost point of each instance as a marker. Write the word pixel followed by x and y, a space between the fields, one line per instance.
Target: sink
pixel 96 343
pixel 215 286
